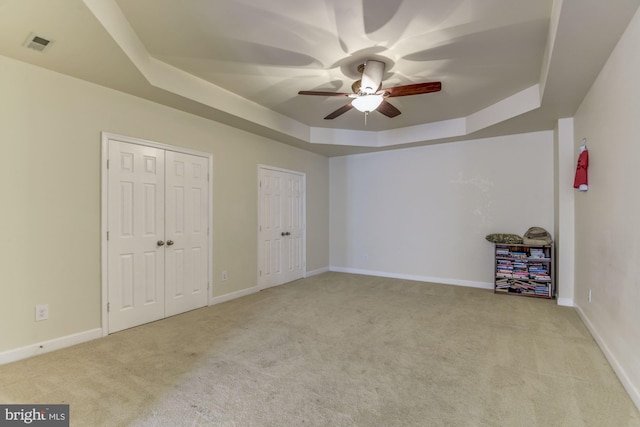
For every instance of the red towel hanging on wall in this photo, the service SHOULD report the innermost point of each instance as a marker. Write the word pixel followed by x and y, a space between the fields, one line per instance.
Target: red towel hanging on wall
pixel 581 181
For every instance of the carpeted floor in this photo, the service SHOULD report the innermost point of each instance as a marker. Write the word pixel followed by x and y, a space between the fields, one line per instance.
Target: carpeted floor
pixel 338 350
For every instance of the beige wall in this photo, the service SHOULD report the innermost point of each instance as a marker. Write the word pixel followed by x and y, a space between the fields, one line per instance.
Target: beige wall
pixel 50 130
pixel 424 212
pixel 606 217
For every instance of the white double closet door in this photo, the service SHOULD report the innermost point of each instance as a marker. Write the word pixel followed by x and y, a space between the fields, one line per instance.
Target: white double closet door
pixel 157 233
pixel 281 228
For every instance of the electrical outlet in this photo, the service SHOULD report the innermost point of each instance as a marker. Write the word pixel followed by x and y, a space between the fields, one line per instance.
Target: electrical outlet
pixel 42 312
pixel 589 295
pixel 224 275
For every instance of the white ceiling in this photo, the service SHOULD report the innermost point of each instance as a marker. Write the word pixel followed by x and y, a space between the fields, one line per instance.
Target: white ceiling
pixel 506 66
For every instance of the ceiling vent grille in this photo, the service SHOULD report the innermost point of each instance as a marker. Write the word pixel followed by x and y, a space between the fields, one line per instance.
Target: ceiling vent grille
pixel 38 43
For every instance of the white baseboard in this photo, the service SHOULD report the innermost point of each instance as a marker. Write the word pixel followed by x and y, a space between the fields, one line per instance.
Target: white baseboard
pixel 48 346
pixel 316 272
pixel 445 281
pixel 233 295
pixel 631 388
pixel 566 302
pixel 14 355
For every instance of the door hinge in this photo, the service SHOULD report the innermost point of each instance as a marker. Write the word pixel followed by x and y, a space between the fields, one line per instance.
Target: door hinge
pixel 107 163
pixel 108 307
pixel 107 235
pixel 260 273
pixel 260 184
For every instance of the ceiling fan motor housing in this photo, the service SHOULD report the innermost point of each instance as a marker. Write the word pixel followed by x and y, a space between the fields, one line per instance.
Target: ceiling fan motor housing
pixel 371 77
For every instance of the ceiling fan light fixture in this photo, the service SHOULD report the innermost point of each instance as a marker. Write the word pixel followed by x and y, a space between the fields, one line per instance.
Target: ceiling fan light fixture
pixel 368 94
pixel 367 103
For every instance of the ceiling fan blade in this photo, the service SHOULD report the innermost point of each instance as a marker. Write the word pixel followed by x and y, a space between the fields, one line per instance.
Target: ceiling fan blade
pixel 372 76
pixel 414 89
pixel 388 110
pixel 340 111
pixel 320 93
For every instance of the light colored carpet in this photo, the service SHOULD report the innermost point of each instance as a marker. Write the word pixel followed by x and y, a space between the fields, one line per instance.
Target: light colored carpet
pixel 338 350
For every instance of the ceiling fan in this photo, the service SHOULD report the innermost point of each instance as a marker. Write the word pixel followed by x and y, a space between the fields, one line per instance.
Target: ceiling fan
pixel 368 94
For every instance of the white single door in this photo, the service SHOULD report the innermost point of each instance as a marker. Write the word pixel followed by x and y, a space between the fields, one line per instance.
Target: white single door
pixel 270 229
pixel 293 261
pixel 186 278
pixel 281 227
pixel 136 232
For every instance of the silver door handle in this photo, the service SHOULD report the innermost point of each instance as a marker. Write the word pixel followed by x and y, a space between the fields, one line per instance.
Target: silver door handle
pixel 160 243
pixel 169 242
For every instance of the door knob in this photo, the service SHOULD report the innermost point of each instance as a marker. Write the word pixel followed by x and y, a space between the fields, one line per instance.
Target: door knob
pixel 169 242
pixel 288 234
pixel 160 243
pixel 283 234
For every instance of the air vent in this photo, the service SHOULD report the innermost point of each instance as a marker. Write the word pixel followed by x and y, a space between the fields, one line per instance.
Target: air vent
pixel 37 42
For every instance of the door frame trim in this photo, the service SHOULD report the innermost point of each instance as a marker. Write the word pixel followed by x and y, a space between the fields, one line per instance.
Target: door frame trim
pixel 104 218
pixel 304 219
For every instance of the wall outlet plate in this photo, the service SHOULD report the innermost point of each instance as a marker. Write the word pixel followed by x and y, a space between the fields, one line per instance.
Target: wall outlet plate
pixel 42 312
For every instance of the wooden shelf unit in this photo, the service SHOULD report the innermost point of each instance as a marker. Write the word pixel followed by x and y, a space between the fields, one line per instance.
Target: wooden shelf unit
pixel 524 270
